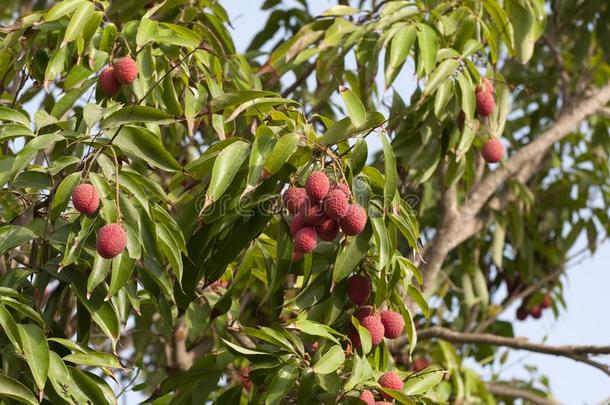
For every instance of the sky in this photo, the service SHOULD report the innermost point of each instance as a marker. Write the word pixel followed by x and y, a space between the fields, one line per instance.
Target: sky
pixel 585 321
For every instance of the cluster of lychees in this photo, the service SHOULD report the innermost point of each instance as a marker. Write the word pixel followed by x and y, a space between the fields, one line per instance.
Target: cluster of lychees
pixel 536 310
pixel 389 379
pixel 319 210
pixel 111 238
pixel 122 71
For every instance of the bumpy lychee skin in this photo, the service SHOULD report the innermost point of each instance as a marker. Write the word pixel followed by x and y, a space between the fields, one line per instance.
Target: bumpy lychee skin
pixel 367 397
pixel 111 240
pixel 485 103
pixel 343 187
pixel 375 327
pixel 355 220
pixel 298 222
pixel 390 380
pixel 294 199
pixel 487 86
pixel 328 230
pixel 336 204
pixel 522 313
pixel 358 289
pixel 305 240
pixel 108 83
pixel 493 150
pixel 125 70
pixel 536 311
pixel 393 324
pixel 317 186
pixel 364 311
pixel 314 214
pixel 85 199
pixel 419 364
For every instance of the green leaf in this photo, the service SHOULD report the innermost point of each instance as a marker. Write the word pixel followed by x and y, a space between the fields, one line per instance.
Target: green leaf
pixel 423 381
pixel 351 253
pixel 55 67
pixel 13 389
pixel 340 10
pixel 13 235
pixel 97 359
pixel 63 194
pixel 399 395
pixel 136 114
pixel 365 336
pixel 147 31
pixel 524 26
pixel 78 21
pixel 230 99
pixel 36 350
pixel 428 46
pixel 440 75
pixel 315 329
pixel 264 142
pixel 144 144
pixel 62 8
pixel 355 108
pixel 281 384
pixel 98 273
pixel 419 299
pixel 122 268
pixel 330 361
pixel 62 381
pixel 401 45
pixel 343 129
pixel 10 115
pixel 225 168
pixel 10 327
pixel 391 174
pixel 284 148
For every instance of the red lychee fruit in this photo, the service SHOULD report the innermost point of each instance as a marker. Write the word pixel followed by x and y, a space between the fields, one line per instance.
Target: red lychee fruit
pixel 366 310
pixel 375 327
pixel 383 403
pixel 536 311
pixel 317 185
pixel 461 119
pixel 419 364
pixel 111 240
pixel 328 230
pixel 108 83
pixel 305 240
pixel 393 324
pixel 547 301
pixel 354 337
pixel 85 199
pixel 359 289
pixel 244 377
pixel 391 380
pixel 294 199
pixel 343 187
pixel 522 313
pixel 367 397
pixel 493 150
pixel 355 220
pixel 125 70
pixel 298 222
pixel 336 204
pixel 485 103
pixel 297 256
pixel 487 86
pixel 314 214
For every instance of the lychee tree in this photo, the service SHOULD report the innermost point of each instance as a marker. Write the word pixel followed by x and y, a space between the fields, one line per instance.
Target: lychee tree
pixel 186 223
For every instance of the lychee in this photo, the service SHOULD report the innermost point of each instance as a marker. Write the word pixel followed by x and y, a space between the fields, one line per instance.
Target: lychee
pixel 85 198
pixel 522 313
pixel 305 240
pixel 493 150
pixel 343 187
pixel 393 324
pixel 294 199
pixel 391 380
pixel 354 337
pixel 485 103
pixel 298 222
pixel 317 185
pixel 108 83
pixel 336 204
pixel 375 327
pixel 244 377
pixel 419 364
pixel 536 311
pixel 487 86
pixel 366 310
pixel 367 397
pixel 125 70
pixel 328 230
pixel 358 289
pixel 297 256
pixel 355 220
pixel 111 240
pixel 547 301
pixel 383 403
pixel 314 214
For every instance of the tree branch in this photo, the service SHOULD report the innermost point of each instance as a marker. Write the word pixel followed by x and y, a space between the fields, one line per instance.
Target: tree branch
pixel 506 390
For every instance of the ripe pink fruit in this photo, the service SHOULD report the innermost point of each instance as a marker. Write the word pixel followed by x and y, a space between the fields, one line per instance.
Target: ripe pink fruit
pixel 355 220
pixel 108 83
pixel 487 86
pixel 85 198
pixel 125 70
pixel 294 199
pixel 343 187
pixel 393 324
pixel 485 103
pixel 336 204
pixel 297 223
pixel 111 240
pixel 359 289
pixel 383 403
pixel 375 327
pixel 547 301
pixel 391 380
pixel 419 364
pixel 317 186
pixel 367 397
pixel 493 150
pixel 328 230
pixel 536 311
pixel 305 240
pixel 314 214
pixel 354 337
pixel 366 310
